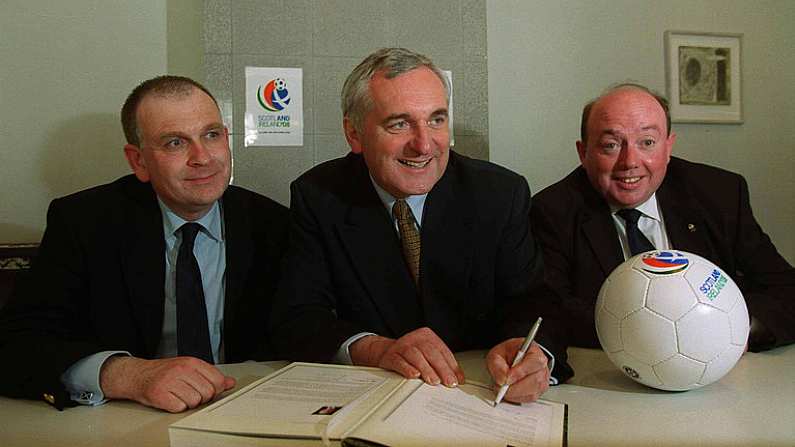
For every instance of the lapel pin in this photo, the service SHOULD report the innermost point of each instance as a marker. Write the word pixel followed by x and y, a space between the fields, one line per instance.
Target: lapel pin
pixel 691 227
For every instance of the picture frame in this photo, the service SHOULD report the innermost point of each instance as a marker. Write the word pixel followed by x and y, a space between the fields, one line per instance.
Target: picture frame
pixel 703 77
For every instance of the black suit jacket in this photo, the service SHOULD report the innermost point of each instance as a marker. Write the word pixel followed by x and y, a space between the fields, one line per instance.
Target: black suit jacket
pixel 99 283
pixel 345 273
pixel 706 212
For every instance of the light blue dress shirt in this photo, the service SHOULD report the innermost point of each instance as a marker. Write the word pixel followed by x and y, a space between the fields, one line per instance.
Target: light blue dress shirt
pixel 82 378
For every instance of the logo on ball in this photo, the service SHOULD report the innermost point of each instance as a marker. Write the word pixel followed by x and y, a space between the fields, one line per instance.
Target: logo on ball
pixel 274 95
pixel 631 372
pixel 664 262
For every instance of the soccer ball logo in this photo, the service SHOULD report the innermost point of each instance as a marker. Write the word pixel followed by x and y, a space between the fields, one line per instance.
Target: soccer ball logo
pixel 274 95
pixel 671 320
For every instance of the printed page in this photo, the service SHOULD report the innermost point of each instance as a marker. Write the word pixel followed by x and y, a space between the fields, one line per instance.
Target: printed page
pixel 463 416
pixel 298 400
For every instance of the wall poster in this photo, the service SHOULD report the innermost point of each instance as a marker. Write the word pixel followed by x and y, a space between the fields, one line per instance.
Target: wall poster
pixel 274 107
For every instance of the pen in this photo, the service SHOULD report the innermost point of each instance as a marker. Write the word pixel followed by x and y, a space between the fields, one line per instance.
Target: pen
pixel 519 356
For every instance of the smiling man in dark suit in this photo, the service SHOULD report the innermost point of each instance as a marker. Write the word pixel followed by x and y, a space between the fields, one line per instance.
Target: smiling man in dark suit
pixel 403 251
pixel 585 223
pixel 122 305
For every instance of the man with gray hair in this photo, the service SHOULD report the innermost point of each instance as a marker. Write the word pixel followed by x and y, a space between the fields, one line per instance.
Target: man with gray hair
pixel 630 195
pixel 403 252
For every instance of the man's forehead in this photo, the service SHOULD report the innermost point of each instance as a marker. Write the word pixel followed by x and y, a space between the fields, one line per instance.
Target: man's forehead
pixel 167 114
pixel 419 88
pixel 627 107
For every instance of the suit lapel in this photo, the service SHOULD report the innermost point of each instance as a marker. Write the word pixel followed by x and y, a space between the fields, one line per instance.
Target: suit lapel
pixel 143 261
pixel 599 229
pixel 239 253
pixel 448 229
pixel 684 222
pixel 371 241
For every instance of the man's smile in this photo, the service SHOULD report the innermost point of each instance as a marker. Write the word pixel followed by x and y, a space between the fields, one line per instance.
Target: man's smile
pixel 414 164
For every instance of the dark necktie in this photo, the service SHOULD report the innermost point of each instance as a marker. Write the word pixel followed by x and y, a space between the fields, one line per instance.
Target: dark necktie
pixel 409 238
pixel 193 334
pixel 638 243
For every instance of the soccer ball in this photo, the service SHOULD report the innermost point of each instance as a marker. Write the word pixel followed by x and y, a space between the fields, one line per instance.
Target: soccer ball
pixel 671 320
pixel 279 84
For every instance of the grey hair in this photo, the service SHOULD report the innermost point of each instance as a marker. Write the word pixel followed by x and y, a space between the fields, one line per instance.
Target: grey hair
pixel 356 99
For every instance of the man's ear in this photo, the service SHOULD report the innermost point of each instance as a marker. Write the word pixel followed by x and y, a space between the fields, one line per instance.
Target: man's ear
pixel 581 150
pixel 136 161
pixel 669 143
pixel 352 135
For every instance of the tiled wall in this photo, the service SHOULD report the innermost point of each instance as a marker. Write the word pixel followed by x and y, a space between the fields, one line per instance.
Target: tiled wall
pixel 327 39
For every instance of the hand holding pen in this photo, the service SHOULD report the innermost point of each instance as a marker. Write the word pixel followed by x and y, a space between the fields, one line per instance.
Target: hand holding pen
pixel 519 356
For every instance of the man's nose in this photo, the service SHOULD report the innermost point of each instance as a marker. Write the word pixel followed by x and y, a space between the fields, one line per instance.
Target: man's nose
pixel 422 138
pixel 628 157
pixel 198 154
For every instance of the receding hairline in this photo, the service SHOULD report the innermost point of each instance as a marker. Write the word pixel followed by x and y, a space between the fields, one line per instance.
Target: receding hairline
pixel 587 110
pixel 176 96
pixel 391 62
pixel 164 86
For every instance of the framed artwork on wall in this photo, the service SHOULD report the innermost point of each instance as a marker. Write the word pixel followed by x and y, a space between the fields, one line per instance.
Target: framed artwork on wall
pixel 703 77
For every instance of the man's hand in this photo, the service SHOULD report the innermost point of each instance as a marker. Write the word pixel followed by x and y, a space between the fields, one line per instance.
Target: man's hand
pixel 420 353
pixel 529 379
pixel 173 384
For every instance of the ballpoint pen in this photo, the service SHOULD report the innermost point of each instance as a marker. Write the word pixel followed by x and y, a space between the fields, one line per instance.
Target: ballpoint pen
pixel 519 356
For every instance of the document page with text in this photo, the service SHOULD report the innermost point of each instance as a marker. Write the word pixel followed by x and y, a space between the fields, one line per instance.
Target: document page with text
pixel 461 416
pixel 296 401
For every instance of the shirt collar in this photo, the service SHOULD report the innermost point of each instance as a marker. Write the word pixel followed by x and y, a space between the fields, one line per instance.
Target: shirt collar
pixel 416 203
pixel 648 208
pixel 210 222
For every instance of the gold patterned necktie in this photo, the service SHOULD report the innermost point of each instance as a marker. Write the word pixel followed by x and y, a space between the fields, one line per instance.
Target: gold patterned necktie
pixel 409 238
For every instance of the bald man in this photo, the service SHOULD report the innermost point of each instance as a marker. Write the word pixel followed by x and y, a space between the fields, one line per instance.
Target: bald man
pixel 627 169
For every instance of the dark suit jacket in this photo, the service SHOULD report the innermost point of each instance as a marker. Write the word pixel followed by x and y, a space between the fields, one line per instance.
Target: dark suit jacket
pixel 99 283
pixel 706 212
pixel 345 272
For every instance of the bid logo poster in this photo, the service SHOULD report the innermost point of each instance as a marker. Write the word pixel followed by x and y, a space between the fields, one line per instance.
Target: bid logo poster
pixel 274 107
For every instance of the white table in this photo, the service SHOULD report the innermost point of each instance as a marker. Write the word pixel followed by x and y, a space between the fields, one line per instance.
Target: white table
pixel 753 405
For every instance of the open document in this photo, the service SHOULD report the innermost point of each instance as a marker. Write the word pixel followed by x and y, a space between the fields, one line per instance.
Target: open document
pixel 314 405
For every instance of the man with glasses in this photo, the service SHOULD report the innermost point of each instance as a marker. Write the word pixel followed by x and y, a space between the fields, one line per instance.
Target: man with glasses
pixel 143 284
pixel 403 252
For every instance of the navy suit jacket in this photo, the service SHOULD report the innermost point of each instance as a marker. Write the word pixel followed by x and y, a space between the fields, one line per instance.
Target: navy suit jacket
pixel 706 212
pixel 98 283
pixel 480 270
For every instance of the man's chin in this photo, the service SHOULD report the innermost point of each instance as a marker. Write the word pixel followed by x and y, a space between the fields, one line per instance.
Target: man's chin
pixel 627 201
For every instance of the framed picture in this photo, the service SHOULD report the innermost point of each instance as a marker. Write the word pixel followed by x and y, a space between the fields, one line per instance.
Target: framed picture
pixel 703 77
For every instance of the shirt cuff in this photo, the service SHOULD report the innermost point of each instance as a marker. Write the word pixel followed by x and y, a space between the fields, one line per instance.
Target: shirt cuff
pixel 82 378
pixel 551 365
pixel 343 355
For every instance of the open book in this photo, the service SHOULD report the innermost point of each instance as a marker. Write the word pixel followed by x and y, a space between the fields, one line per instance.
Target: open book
pixel 314 404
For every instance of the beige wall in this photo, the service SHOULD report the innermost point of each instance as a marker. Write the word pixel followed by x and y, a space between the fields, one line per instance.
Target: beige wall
pixel 66 68
pixel 184 38
pixel 326 39
pixel 546 58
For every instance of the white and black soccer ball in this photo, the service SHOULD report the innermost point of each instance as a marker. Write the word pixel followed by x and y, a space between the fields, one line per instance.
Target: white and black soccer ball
pixel 671 320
